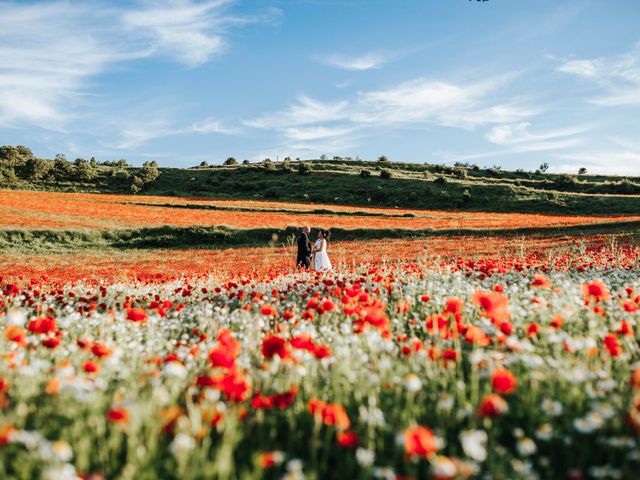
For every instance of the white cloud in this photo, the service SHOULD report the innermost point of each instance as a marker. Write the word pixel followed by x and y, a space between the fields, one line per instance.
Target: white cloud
pixel 605 162
pixel 189 31
pixel 50 52
pixel 415 103
pixel 617 76
pixel 519 139
pixel 137 133
pixel 367 61
pixel 305 112
pixel 47 54
pixel 208 125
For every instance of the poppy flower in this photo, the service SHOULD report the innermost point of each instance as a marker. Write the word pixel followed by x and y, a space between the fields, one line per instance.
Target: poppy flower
pixel 348 439
pixel 596 291
pixel 100 350
pixel 492 405
pixel 15 334
pixel 42 325
pixel 274 345
pixel 118 415
pixel 137 314
pixel 503 381
pixel 541 281
pixel 419 442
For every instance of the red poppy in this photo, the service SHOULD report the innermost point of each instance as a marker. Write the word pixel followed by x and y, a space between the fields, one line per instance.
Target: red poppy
pixel 100 350
pixel 503 381
pixel 136 314
pixel 419 442
pixel 348 439
pixel 91 367
pixel 51 342
pixel 541 281
pixel 42 325
pixel 596 291
pixel 119 415
pixel 274 345
pixel 492 405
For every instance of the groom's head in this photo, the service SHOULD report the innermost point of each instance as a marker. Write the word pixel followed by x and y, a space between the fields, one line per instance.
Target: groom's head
pixel 306 230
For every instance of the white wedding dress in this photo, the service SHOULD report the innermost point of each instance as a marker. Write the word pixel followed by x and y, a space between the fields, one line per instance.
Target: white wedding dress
pixel 321 261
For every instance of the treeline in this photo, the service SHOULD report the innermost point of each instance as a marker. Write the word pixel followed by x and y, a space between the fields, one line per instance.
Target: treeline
pixel 18 165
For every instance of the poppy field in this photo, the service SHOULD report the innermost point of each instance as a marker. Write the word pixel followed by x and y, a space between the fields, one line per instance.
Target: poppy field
pixel 483 355
pixel 515 368
pixel 50 210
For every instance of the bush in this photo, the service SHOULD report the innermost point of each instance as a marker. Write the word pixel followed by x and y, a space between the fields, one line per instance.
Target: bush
pixel 440 181
pixel 460 172
pixel 466 196
pixel 36 169
pixel 383 158
pixel 149 172
pixel 230 161
pixel 365 173
pixel 386 174
pixel 304 168
pixel 83 170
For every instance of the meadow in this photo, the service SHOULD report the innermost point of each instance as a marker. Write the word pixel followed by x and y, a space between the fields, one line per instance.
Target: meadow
pixel 148 337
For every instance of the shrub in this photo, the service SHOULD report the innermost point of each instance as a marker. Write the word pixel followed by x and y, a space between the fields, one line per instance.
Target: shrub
pixel 230 161
pixel 383 158
pixel 460 172
pixel 440 181
pixel 466 196
pixel 365 173
pixel 304 168
pixel 386 174
pixel 36 169
pixel 83 170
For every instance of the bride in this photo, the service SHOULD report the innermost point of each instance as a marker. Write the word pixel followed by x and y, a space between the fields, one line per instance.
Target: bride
pixel 321 262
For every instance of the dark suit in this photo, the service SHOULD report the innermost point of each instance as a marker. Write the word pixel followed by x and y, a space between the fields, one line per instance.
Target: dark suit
pixel 304 251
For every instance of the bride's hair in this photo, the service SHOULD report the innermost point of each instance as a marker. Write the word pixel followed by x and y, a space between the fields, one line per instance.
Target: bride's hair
pixel 326 234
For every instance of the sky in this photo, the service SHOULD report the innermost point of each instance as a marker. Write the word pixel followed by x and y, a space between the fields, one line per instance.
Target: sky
pixel 497 82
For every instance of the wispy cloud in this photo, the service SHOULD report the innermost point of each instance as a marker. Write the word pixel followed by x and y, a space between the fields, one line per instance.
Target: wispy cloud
pixel 416 103
pixel 138 133
pixel 51 52
pixel 605 162
pixel 367 61
pixel 617 76
pixel 518 138
pixel 189 31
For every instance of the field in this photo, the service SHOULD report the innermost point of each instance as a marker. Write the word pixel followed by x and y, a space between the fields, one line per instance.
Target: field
pixel 148 337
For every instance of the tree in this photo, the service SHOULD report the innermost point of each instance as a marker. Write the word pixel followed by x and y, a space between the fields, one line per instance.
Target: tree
pixel 246 162
pixel 10 155
pixel 149 172
pixel 383 158
pixel 386 174
pixel 230 161
pixel 204 164
pixel 62 170
pixel 582 171
pixel 543 168
pixel 323 157
pixel 36 169
pixel 83 170
pixel 24 152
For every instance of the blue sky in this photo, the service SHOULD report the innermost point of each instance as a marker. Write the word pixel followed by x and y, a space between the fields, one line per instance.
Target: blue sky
pixel 500 82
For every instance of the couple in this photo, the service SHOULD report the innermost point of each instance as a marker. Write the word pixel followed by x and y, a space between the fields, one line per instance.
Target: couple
pixel 315 257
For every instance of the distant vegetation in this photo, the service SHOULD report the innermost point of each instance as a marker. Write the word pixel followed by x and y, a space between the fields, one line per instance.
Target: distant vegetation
pixel 336 181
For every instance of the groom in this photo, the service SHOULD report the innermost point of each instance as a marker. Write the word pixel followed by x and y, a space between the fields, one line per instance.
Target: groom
pixel 303 259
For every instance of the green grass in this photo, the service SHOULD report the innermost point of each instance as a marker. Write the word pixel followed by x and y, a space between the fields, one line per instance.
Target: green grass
pixel 26 240
pixel 411 186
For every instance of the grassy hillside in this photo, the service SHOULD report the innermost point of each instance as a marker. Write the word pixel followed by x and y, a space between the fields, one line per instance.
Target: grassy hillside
pixel 347 182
